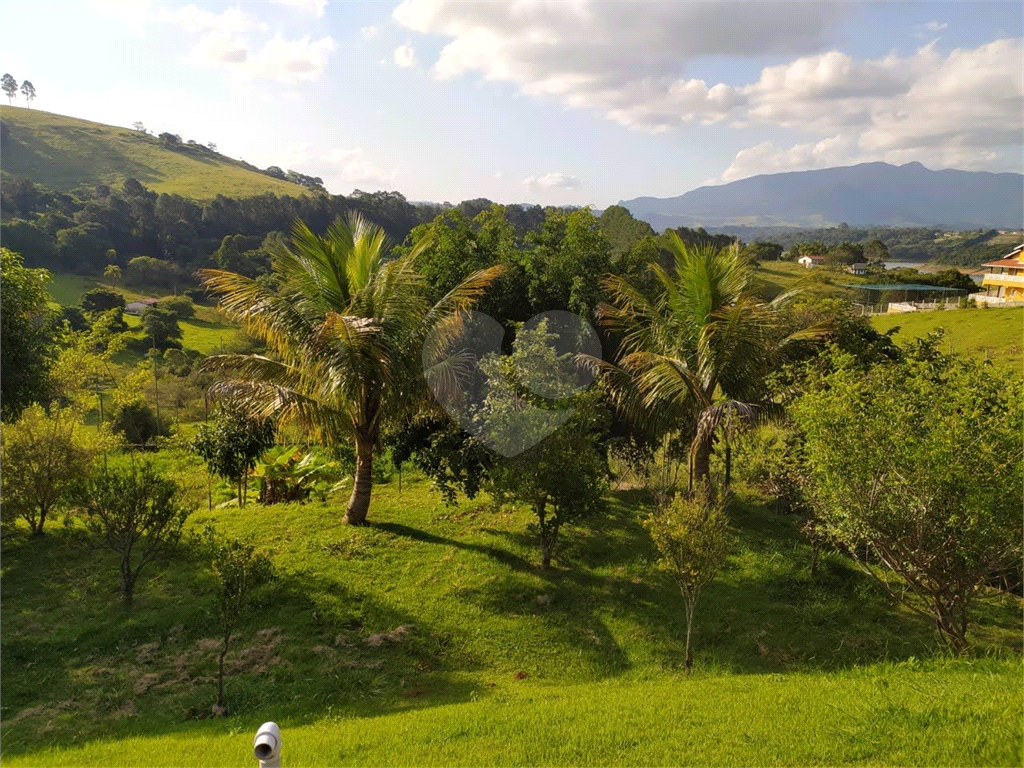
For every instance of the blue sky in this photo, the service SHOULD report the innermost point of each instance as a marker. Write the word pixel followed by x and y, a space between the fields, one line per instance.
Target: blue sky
pixel 568 102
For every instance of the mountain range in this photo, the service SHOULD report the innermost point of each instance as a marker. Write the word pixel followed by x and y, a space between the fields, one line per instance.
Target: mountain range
pixel 869 194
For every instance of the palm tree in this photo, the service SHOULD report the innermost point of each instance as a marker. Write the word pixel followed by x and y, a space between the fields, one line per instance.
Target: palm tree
pixel 696 354
pixel 344 336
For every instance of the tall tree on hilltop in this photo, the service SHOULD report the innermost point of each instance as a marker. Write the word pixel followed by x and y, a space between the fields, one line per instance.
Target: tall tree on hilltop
pixel 696 353
pixel 345 336
pixel 29 92
pixel 10 87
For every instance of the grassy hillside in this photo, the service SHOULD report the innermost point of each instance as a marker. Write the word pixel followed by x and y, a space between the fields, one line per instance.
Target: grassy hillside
pixel 62 152
pixel 995 334
pixel 431 637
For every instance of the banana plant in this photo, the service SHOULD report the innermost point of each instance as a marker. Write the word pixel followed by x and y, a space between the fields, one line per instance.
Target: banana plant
pixel 287 473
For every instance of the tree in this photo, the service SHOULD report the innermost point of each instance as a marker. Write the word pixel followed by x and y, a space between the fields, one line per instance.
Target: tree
pixel 549 458
pixel 697 354
pixel 27 335
pixel 761 250
pixel 875 250
pixel 232 444
pixel 160 326
pixel 112 272
pixel 138 513
pixel 179 306
pixel 101 300
pixel 139 126
pixel 239 569
pixel 914 467
pixel 693 536
pixel 10 87
pixel 29 92
pixel 45 457
pixel 148 271
pixel 345 334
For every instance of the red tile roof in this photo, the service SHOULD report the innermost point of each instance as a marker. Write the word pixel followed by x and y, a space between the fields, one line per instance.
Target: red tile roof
pixel 1006 263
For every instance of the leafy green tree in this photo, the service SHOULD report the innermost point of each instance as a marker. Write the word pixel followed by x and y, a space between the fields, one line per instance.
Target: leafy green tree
pixel 566 256
pixel 761 250
pixel 345 335
pixel 699 349
pixel 27 335
pixel 137 422
pixel 239 570
pixel 29 92
pixel 10 87
pixel 693 537
pixel 112 272
pixel 101 300
pixel 45 457
pixel 551 458
pixel 622 230
pixel 915 468
pixel 137 513
pixel 232 444
pixel 876 250
pixel 147 271
pixel 160 327
pixel 179 306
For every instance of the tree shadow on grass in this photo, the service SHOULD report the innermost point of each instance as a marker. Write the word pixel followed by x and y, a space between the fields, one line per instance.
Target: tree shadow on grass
pixel 96 669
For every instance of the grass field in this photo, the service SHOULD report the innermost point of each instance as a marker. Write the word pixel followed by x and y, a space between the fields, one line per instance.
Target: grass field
pixel 995 334
pixel 62 152
pixel 778 276
pixel 431 637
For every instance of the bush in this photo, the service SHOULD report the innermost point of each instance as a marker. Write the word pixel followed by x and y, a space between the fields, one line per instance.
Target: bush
pixel 138 514
pixel 693 536
pixel 917 466
pixel 138 423
pixel 232 444
pixel 102 300
pixel 45 458
pixel 180 306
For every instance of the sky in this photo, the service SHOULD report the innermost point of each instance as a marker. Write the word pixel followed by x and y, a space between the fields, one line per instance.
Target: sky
pixel 571 102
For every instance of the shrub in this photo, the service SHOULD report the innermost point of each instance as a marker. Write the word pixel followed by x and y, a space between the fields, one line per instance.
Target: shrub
pixel 916 466
pixel 238 570
pixel 45 458
pixel 138 423
pixel 102 300
pixel 138 514
pixel 179 306
pixel 693 536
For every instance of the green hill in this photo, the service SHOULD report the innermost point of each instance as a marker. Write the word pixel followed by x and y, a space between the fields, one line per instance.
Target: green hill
pixel 62 152
pixel 431 637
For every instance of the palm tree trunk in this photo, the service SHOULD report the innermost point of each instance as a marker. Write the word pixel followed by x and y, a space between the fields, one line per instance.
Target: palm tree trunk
pixel 701 463
pixel 359 502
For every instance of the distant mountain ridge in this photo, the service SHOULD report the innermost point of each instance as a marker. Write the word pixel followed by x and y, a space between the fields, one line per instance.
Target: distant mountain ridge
pixel 869 194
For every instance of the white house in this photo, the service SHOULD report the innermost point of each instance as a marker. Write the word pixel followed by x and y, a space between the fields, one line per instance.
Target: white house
pixel 811 261
pixel 139 306
pixel 860 268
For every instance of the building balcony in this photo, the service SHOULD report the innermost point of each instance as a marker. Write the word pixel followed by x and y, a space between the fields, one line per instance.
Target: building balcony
pixel 991 279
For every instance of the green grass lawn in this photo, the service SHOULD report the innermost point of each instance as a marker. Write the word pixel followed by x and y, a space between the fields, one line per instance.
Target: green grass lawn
pixel 775 277
pixel 63 152
pixel 432 637
pixel 995 334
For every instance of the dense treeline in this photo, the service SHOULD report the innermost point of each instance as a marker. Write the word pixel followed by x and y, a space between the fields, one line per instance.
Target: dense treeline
pixel 94 227
pixel 918 244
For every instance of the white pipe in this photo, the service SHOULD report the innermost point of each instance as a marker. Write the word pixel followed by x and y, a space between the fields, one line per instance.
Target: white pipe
pixel 267 746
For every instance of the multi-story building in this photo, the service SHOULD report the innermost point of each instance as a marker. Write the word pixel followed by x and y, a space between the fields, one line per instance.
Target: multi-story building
pixel 1004 279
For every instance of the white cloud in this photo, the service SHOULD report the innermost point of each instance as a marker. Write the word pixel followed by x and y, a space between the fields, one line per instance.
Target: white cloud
pixel 934 26
pixel 224 40
pixel 498 175
pixel 624 63
pixel 957 108
pixel 551 181
pixel 314 8
pixel 368 33
pixel 194 19
pixel 405 56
